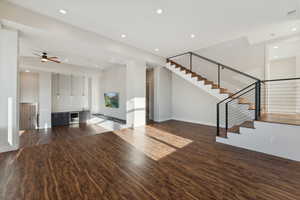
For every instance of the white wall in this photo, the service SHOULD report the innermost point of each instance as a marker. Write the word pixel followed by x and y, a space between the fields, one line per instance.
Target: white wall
pixel 162 94
pixel 45 100
pixel 240 55
pixel 29 87
pixel 113 80
pixel 192 104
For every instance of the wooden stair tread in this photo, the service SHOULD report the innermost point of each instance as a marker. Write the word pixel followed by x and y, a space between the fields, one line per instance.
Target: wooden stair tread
pixel 215 86
pixel 234 129
pixel 223 90
pixel 246 124
pixel 245 103
pixel 251 107
pixel 207 82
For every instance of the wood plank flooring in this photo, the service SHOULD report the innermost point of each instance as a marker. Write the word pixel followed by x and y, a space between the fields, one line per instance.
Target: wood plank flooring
pixel 128 164
pixel 37 137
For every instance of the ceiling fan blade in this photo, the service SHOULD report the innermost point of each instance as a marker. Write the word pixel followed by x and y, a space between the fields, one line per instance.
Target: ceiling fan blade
pixel 52 57
pixel 38 51
pixel 57 61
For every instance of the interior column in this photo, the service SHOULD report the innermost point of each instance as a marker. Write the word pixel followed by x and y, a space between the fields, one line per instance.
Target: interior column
pixel 45 100
pixel 136 94
pixel 298 85
pixel 9 103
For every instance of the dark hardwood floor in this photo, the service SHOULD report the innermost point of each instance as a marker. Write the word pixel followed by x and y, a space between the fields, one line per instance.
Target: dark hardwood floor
pixel 37 137
pixel 170 160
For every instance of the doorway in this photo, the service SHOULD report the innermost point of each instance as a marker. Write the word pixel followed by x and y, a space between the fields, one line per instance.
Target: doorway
pixel 28 116
pixel 282 102
pixel 29 98
pixel 149 95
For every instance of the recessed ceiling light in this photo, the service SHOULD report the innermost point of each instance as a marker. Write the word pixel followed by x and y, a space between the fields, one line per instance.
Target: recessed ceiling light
pixel 275 47
pixel 156 49
pixel 62 11
pixel 192 36
pixel 294 29
pixel 27 71
pixel 123 36
pixel 159 11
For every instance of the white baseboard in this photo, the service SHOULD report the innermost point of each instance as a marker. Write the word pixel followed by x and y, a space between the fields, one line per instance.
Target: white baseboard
pixel 194 121
pixel 163 120
pixel 8 148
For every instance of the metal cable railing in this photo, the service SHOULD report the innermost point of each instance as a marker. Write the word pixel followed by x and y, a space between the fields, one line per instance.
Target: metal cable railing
pixel 242 106
pixel 221 74
pixel 275 100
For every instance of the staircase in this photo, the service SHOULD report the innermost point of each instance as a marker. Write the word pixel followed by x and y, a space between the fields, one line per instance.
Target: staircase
pixel 244 118
pixel 241 105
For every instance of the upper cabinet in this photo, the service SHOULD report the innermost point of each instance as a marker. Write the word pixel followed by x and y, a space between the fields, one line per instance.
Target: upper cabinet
pixel 70 93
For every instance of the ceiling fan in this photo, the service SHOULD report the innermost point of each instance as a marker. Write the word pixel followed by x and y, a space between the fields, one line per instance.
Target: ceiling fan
pixel 44 57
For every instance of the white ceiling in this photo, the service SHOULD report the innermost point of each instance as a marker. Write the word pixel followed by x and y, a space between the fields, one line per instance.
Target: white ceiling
pixel 212 21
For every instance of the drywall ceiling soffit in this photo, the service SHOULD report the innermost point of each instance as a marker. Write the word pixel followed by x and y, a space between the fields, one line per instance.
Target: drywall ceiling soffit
pixel 212 21
pixel 33 40
pixel 34 64
pixel 50 34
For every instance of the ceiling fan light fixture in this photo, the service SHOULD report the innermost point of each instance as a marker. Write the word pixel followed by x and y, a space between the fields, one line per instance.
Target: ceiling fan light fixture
pixel 44 60
pixel 63 11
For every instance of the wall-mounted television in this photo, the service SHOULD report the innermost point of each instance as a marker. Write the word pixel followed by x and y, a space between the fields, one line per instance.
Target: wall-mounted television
pixel 111 99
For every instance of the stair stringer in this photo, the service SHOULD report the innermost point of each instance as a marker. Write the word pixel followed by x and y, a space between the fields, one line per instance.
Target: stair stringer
pixel 241 109
pixel 196 82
